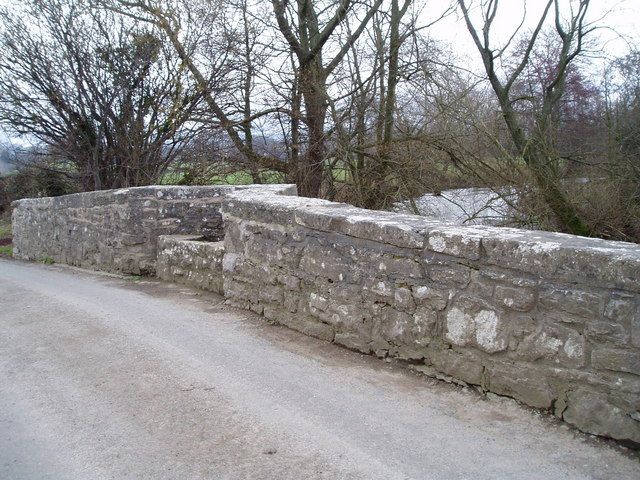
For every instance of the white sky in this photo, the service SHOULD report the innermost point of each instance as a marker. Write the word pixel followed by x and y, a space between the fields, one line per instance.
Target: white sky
pixel 620 19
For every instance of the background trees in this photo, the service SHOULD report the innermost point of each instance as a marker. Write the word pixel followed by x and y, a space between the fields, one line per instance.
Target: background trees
pixel 104 97
pixel 535 144
pixel 350 100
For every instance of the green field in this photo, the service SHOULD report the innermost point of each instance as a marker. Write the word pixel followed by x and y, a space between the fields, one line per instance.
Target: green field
pixel 241 177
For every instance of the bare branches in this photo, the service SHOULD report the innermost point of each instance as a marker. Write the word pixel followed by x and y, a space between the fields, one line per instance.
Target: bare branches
pixel 168 22
pixel 98 92
pixel 534 146
pixel 279 9
pixel 353 37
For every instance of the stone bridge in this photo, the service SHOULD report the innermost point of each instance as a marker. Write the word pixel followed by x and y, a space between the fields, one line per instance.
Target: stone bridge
pixel 549 319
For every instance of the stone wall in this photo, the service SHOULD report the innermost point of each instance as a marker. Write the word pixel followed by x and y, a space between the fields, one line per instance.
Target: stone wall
pixel 117 230
pixel 552 320
pixel 190 260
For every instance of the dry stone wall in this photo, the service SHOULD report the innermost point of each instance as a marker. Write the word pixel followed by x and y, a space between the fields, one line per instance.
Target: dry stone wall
pixel 552 320
pixel 116 230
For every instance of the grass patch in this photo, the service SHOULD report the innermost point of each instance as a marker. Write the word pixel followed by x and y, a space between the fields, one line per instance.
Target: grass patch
pixel 6 249
pixel 240 177
pixel 5 228
pixel 47 260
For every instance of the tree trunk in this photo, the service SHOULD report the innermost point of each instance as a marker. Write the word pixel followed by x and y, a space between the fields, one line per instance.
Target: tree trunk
pixel 554 197
pixel 311 167
pixel 536 159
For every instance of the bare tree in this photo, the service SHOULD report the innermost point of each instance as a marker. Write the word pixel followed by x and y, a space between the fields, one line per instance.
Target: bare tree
pixel 301 24
pixel 374 81
pixel 533 145
pixel 379 172
pixel 105 96
pixel 174 18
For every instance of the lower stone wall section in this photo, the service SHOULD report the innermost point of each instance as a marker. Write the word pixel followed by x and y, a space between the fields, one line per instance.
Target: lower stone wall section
pixel 551 320
pixel 191 261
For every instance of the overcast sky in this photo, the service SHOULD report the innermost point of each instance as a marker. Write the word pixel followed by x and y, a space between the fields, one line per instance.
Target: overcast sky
pixel 620 20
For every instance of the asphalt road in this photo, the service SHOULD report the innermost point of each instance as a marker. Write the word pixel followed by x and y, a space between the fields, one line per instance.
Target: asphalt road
pixel 106 378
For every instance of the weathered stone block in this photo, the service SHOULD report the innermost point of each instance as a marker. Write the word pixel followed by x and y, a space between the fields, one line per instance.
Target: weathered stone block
pixel 579 302
pixel 592 412
pixel 401 328
pixel 350 317
pixel 525 384
pixel 425 324
pixel 403 267
pixel 620 308
pixel 465 366
pixel 260 250
pixel 291 301
pixel 291 282
pixel 318 302
pixel 606 331
pixel 403 300
pixel 455 241
pixel 325 262
pixel 471 322
pixel 460 327
pixel 352 341
pixel 430 296
pixel 491 333
pixel 573 352
pixel 405 231
pixel 379 288
pixel 230 260
pixel 233 241
pixel 539 345
pixel 556 343
pixel 408 352
pixel 345 292
pixel 271 294
pixel 480 286
pixel 635 328
pixel 521 299
pixel 616 360
pixel 508 277
pixel 239 291
pixel 304 325
pixel 455 275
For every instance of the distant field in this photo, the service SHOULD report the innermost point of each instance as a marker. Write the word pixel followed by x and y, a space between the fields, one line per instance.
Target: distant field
pixel 241 177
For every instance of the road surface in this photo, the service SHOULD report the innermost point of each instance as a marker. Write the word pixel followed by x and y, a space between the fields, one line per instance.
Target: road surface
pixel 108 378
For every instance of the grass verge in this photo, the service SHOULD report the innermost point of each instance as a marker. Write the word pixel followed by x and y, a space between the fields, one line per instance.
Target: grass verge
pixel 6 248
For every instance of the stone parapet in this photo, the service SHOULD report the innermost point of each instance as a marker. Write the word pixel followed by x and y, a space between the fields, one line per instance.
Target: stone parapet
pixel 550 319
pixel 117 230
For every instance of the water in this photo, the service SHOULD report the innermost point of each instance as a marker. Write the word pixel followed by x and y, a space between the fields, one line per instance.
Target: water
pixel 465 206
